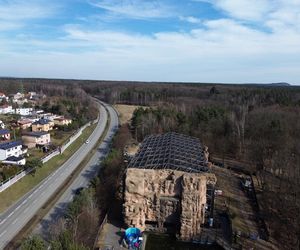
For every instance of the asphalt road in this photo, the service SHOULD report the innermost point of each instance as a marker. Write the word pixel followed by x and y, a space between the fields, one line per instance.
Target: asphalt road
pixel 16 217
pixel 90 170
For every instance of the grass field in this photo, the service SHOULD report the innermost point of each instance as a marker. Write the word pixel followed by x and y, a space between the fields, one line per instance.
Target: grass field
pixel 125 112
pixel 16 191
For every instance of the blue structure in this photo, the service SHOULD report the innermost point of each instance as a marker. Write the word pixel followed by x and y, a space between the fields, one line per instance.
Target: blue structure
pixel 132 238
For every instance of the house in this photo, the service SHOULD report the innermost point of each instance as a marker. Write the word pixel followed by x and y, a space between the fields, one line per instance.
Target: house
pixel 4 134
pixel 2 125
pixel 13 160
pixel 61 121
pixel 3 96
pixel 6 109
pixel 12 148
pixel 42 125
pixel 25 123
pixel 18 96
pixel 36 139
pixel 24 111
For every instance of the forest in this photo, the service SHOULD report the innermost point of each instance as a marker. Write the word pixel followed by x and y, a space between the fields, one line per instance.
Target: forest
pixel 253 124
pixel 257 125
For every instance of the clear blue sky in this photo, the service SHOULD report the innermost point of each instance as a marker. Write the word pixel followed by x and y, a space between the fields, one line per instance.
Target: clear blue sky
pixel 158 40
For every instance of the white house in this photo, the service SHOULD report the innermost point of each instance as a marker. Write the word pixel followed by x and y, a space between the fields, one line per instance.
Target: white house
pixel 13 160
pixel 6 109
pixel 9 149
pixel 24 111
pixel 2 125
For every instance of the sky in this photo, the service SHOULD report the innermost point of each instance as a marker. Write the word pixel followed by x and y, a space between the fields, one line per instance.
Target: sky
pixel 229 41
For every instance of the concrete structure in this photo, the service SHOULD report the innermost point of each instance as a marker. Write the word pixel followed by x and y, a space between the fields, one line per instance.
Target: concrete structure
pixel 166 186
pixel 9 149
pixel 34 139
pixel 4 134
pixel 42 125
pixel 61 121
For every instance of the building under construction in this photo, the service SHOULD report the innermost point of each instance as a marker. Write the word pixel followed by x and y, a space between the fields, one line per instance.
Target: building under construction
pixel 166 186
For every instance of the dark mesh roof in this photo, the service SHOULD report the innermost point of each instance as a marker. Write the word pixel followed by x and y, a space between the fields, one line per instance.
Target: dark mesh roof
pixel 170 151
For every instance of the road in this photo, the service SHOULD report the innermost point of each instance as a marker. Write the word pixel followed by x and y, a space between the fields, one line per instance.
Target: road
pixel 90 170
pixel 16 217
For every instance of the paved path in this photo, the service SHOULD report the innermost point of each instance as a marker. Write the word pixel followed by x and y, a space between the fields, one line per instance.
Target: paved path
pixel 16 217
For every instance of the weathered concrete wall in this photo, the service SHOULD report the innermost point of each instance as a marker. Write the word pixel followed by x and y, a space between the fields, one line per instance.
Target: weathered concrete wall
pixel 165 199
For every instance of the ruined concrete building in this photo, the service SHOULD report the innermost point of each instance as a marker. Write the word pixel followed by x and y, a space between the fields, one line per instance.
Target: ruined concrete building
pixel 166 186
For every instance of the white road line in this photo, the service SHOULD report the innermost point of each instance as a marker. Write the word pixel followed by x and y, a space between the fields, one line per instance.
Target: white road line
pixel 30 196
pixel 3 233
pixel 35 191
pixel 2 221
pixel 10 214
pixel 23 203
pixel 18 207
pixel 14 222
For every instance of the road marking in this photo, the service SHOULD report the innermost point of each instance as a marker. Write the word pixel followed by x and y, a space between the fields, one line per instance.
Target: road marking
pixel 35 191
pixel 10 214
pixel 18 207
pixel 14 222
pixel 30 196
pixel 2 221
pixel 3 233
pixel 24 202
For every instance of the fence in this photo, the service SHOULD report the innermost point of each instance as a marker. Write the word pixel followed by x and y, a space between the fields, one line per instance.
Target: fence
pixel 6 184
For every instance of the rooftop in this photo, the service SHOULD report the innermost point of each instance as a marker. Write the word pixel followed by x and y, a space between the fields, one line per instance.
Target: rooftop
pixel 170 151
pixel 35 134
pixel 4 131
pixel 11 144
pixel 42 121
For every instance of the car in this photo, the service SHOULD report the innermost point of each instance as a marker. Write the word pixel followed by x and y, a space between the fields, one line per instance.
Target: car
pixel 87 141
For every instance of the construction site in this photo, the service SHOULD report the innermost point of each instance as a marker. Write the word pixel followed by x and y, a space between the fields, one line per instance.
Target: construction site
pixel 168 187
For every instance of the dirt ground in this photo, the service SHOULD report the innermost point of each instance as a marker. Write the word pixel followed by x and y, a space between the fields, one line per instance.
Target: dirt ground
pixel 126 112
pixel 235 200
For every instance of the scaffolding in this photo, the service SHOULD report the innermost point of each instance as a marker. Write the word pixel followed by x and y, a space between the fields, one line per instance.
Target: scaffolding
pixel 170 151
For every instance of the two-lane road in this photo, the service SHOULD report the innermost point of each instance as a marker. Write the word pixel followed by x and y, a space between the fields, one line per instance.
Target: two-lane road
pixel 16 217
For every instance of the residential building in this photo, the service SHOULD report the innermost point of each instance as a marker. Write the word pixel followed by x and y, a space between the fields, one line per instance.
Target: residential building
pixel 25 123
pixel 61 121
pixel 24 111
pixel 2 125
pixel 4 134
pixel 6 109
pixel 44 125
pixel 14 160
pixel 36 139
pixel 3 96
pixel 8 149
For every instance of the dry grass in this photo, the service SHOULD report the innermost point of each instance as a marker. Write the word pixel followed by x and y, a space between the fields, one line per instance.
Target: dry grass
pixel 126 112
